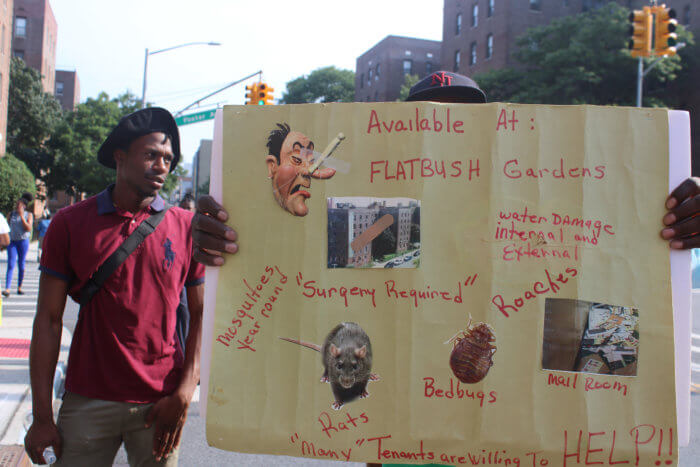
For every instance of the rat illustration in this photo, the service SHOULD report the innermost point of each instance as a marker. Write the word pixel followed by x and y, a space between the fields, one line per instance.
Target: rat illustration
pixel 347 362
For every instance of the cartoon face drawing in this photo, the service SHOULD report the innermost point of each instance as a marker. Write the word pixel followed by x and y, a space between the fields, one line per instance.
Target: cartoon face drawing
pixel 288 166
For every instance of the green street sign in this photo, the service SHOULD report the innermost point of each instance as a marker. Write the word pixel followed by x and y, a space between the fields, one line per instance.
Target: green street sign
pixel 194 118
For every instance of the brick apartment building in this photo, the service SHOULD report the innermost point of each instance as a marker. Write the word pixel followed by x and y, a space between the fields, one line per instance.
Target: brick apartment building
pixel 481 35
pixel 67 90
pixel 34 38
pixel 5 54
pixel 346 222
pixel 381 70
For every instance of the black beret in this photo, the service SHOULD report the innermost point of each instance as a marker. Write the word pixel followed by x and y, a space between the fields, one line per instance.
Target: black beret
pixel 447 84
pixel 135 125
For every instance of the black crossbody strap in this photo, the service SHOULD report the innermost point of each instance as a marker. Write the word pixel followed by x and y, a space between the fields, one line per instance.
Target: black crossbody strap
pixel 106 269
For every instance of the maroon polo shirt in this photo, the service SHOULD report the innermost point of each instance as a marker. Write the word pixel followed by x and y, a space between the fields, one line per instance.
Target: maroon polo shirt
pixel 124 346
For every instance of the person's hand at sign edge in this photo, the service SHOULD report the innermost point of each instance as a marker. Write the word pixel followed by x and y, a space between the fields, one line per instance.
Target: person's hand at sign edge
pixel 683 220
pixel 211 237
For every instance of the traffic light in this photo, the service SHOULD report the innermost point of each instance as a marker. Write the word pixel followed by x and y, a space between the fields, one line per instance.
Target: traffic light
pixel 252 94
pixel 640 32
pixel 665 26
pixel 265 94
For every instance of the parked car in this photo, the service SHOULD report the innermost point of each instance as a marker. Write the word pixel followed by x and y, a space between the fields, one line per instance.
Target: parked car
pixel 390 264
pixel 416 253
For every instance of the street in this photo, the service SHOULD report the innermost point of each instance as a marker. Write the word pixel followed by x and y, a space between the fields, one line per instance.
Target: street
pixel 15 403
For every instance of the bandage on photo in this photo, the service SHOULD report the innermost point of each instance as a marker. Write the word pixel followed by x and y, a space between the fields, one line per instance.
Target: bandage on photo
pixel 377 233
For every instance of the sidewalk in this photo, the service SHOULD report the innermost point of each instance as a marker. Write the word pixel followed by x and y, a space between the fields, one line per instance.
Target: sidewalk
pixel 15 333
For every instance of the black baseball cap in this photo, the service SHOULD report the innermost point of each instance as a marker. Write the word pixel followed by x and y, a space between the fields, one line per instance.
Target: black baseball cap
pixel 135 125
pixel 446 83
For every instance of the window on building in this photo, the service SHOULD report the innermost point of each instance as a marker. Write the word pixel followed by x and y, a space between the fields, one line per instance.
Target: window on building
pixel 408 53
pixel 475 15
pixel 369 76
pixel 585 5
pixel 489 46
pixel 458 24
pixel 19 54
pixel 457 60
pixel 492 7
pixel 429 55
pixel 59 88
pixel 428 68
pixel 2 46
pixel 472 55
pixel 362 80
pixel 686 15
pixel 376 73
pixel 407 67
pixel 565 3
pixel 20 27
pixel 536 5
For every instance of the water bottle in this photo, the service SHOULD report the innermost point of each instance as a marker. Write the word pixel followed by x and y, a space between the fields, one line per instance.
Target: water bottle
pixel 49 455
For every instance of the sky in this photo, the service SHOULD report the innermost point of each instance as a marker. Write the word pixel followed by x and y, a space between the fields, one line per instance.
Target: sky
pixel 105 42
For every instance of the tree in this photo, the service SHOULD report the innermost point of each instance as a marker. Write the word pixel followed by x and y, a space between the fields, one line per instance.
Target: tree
pixel 384 244
pixel 76 141
pixel 32 116
pixel 579 59
pixel 15 179
pixel 408 82
pixel 171 181
pixel 328 84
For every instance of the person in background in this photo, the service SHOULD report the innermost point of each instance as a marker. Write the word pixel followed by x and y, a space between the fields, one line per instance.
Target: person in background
pixel 187 203
pixel 20 221
pixel 41 230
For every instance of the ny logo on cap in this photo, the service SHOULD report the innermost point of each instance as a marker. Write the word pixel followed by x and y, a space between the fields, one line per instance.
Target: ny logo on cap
pixel 440 79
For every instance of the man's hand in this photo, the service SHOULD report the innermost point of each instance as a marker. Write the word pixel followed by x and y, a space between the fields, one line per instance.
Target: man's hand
pixel 39 437
pixel 211 237
pixel 682 220
pixel 168 415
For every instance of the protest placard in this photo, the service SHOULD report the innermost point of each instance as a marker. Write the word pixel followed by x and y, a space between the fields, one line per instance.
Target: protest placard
pixel 456 284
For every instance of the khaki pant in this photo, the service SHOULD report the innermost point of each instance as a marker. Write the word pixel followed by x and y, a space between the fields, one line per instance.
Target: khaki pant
pixel 92 431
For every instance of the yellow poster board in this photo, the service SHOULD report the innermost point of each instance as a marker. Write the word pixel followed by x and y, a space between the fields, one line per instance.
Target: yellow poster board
pixel 456 284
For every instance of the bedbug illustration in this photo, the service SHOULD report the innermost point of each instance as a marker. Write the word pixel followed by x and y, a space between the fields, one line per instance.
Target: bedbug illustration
pixel 472 352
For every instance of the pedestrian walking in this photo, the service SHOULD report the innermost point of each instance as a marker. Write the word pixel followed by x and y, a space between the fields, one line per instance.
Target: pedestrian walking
pixel 20 221
pixel 125 256
pixel 41 229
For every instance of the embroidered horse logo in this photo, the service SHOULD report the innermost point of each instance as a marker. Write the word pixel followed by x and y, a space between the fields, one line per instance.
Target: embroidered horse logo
pixel 169 254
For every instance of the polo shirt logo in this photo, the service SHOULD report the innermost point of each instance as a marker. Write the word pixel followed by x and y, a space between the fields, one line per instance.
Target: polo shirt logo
pixel 169 254
pixel 440 79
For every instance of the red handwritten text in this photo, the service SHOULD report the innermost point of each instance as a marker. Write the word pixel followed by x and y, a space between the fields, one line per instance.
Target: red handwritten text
pixel 438 123
pixel 456 392
pixel 511 170
pixel 245 314
pixel 553 285
pixel 349 422
pixel 422 167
